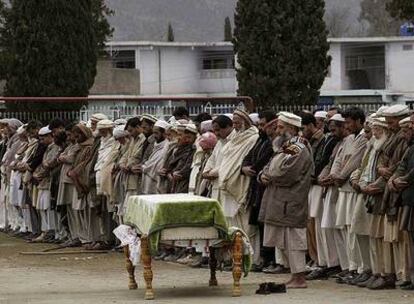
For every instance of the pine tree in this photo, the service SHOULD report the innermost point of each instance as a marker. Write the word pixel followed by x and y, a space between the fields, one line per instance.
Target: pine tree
pixel 51 46
pixel 402 9
pixel 282 50
pixel 228 35
pixel 170 36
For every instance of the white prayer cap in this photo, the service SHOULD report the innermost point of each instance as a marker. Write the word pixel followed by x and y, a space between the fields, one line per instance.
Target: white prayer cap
pixel 105 124
pixel 120 122
pixel 191 128
pixel 172 120
pixel 162 124
pixel 291 119
pixel 120 132
pixel 21 129
pixel 379 122
pixel 337 117
pixel 405 123
pixel 321 114
pixel 98 117
pixel 149 117
pixel 396 111
pixel 254 118
pixel 229 115
pixel 45 131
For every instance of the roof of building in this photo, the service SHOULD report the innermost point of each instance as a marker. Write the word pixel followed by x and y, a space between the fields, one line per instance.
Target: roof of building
pixel 229 44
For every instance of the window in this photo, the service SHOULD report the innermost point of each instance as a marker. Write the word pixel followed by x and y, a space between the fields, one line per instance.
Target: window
pixel 407 47
pixel 123 59
pixel 217 60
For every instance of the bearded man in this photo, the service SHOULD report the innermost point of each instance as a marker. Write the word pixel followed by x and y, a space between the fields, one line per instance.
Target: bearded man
pixel 153 164
pixel 402 181
pixel 387 202
pixel 284 209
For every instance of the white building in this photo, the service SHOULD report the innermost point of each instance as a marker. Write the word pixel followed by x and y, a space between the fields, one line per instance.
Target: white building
pixel 176 68
pixel 379 69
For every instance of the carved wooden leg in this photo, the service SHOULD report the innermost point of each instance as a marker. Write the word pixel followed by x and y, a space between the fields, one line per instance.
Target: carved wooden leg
pixel 146 261
pixel 213 265
pixel 131 269
pixel 237 263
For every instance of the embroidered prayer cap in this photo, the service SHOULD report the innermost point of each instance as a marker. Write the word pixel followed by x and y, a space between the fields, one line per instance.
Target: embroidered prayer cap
pixel 98 117
pixel 44 131
pixel 191 128
pixel 320 114
pixel 183 121
pixel 337 117
pixel 120 122
pixel 120 132
pixel 396 111
pixel 244 115
pixel 379 122
pixel 290 118
pixel 179 126
pixel 208 141
pixel 86 131
pixel 381 110
pixel 254 117
pixel 162 124
pixel 405 123
pixel 105 124
pixel 12 123
pixel 149 117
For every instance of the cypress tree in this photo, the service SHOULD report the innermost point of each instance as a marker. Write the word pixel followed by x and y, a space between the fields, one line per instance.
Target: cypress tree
pixel 170 35
pixel 228 35
pixel 281 48
pixel 52 46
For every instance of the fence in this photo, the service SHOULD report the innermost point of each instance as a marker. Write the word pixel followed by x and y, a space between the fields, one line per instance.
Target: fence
pixel 161 107
pixel 126 107
pixel 367 107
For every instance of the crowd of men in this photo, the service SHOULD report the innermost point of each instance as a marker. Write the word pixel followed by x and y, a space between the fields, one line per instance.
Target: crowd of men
pixel 320 195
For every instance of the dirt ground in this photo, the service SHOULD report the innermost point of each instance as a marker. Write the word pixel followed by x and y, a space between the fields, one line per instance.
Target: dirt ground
pixel 101 278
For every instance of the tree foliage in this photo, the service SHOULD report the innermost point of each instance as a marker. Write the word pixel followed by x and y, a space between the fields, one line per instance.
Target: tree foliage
pixel 51 47
pixel 170 34
pixel 379 20
pixel 282 50
pixel 401 9
pixel 228 35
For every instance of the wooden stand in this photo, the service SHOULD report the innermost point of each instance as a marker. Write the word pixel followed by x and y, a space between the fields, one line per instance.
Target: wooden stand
pixel 146 262
pixel 213 266
pixel 131 269
pixel 237 263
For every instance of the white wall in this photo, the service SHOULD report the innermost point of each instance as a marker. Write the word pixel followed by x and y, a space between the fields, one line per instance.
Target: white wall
pixel 400 67
pixel 333 82
pixel 149 71
pixel 179 70
pixel 181 73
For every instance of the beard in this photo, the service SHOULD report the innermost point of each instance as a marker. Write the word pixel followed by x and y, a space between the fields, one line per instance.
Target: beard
pixel 95 133
pixel 378 143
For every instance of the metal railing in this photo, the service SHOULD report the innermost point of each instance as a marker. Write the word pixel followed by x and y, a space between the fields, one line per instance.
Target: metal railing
pixel 118 107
